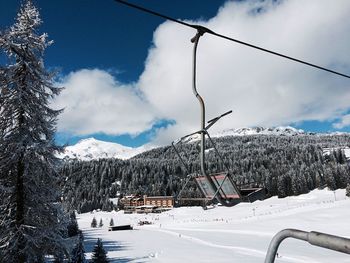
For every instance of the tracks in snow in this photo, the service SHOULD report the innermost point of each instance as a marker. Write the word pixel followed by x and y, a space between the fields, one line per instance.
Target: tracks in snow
pixel 237 249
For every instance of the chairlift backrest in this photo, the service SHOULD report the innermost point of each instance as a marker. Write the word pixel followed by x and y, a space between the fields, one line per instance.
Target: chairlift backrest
pixel 228 189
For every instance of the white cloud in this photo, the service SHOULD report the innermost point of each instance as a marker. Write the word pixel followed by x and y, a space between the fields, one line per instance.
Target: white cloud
pixel 95 102
pixel 344 122
pixel 261 89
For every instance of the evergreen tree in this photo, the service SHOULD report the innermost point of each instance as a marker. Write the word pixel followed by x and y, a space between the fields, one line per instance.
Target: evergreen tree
pixel 347 190
pixel 59 259
pixel 99 255
pixel 101 223
pixel 78 253
pixel 111 223
pixel 72 228
pixel 30 214
pixel 94 222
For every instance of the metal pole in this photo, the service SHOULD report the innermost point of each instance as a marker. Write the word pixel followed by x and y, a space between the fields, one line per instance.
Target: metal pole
pixel 202 132
pixel 195 40
pixel 336 243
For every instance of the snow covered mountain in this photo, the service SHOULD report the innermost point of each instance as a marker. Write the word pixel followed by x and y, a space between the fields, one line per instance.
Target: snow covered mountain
pixel 282 131
pixel 90 149
pixel 287 131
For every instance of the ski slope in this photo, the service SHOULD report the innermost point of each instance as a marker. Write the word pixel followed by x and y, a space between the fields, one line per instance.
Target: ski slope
pixel 237 234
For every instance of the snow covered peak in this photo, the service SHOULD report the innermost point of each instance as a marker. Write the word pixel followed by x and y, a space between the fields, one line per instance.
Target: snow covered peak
pixel 281 130
pixel 260 131
pixel 91 149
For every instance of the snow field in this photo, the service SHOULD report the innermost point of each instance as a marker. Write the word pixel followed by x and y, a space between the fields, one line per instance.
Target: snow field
pixel 237 234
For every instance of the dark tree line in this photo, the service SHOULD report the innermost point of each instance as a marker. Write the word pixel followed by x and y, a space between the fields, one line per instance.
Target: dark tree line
pixel 284 165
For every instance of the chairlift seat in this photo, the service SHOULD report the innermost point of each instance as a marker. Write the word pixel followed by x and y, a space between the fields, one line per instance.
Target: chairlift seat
pixel 228 188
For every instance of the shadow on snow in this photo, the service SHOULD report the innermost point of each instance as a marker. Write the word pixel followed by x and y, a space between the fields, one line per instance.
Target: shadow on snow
pixel 90 241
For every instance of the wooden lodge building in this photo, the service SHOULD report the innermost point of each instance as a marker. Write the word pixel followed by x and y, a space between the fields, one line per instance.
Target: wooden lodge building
pixel 131 201
pixel 147 204
pixel 159 201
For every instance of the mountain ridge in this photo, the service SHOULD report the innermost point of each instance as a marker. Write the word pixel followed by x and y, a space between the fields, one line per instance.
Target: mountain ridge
pixel 93 149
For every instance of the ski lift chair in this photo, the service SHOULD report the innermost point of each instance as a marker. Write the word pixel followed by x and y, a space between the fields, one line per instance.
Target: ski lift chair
pixel 219 186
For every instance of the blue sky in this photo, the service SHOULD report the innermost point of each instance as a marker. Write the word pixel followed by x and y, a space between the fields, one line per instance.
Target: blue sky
pixel 140 63
pixel 104 34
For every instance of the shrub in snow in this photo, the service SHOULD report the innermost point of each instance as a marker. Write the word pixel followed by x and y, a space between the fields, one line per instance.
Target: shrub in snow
pixel 101 223
pixel 111 223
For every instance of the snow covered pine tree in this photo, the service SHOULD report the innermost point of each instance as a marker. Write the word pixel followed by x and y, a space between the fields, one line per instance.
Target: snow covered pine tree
pixel 78 253
pixel 94 222
pixel 99 254
pixel 30 211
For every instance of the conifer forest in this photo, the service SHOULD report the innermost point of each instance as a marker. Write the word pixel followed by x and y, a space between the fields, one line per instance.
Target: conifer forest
pixel 284 165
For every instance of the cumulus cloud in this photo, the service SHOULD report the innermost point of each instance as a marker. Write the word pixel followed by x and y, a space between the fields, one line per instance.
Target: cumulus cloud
pixel 261 89
pixel 95 102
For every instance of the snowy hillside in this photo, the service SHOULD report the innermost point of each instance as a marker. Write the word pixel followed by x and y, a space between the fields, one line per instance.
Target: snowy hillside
pixel 90 149
pixel 286 131
pixel 238 234
pixel 260 130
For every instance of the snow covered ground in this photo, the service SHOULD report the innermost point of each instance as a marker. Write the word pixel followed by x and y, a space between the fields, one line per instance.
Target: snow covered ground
pixel 237 234
pixel 327 151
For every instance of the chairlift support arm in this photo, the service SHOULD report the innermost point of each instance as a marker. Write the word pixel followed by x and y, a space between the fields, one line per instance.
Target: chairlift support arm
pixel 214 120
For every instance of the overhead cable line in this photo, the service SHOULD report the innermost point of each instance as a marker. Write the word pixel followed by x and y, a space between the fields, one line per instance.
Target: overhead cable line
pixel 203 30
